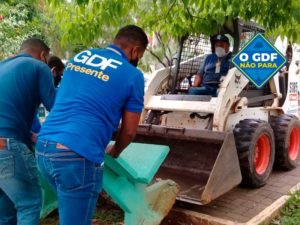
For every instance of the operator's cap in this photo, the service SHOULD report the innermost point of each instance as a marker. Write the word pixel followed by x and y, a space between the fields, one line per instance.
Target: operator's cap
pixel 221 37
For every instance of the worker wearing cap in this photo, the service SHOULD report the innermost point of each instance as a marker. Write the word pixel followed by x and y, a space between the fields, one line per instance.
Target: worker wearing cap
pixel 214 67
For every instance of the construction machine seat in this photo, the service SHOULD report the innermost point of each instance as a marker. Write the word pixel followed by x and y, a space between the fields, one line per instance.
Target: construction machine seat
pixel 258 97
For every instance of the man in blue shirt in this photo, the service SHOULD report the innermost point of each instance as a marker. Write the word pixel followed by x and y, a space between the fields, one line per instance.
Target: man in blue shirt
pixel 99 87
pixel 25 82
pixel 57 68
pixel 214 67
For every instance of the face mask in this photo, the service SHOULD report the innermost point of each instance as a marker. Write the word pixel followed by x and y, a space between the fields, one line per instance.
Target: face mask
pixel 220 52
pixel 57 80
pixel 134 62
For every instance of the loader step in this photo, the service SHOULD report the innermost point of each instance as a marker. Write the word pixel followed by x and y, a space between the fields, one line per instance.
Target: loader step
pixel 201 98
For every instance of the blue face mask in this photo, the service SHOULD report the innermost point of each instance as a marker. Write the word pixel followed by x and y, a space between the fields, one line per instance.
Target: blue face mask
pixel 134 62
pixel 57 79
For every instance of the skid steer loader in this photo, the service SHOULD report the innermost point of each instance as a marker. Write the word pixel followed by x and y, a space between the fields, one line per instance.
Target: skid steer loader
pixel 216 143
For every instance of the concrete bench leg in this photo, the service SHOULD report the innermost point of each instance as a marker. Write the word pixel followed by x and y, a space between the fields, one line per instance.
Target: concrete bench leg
pixel 142 205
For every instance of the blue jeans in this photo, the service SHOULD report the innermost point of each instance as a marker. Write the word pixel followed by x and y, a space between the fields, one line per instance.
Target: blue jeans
pixel 76 180
pixel 203 90
pixel 20 191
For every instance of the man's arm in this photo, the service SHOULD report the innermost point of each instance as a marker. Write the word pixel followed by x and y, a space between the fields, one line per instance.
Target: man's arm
pixel 130 121
pixel 200 73
pixel 46 87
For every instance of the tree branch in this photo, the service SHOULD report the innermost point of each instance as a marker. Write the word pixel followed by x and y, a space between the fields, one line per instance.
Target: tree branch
pixel 157 35
pixel 168 47
pixel 157 57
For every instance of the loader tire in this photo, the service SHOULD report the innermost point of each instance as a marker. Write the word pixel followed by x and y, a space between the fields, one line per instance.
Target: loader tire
pixel 287 137
pixel 255 145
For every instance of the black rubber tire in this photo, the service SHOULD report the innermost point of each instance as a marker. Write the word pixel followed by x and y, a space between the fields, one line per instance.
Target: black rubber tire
pixel 246 133
pixel 282 126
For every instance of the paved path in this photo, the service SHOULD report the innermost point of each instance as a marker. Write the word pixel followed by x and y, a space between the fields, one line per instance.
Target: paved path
pixel 241 204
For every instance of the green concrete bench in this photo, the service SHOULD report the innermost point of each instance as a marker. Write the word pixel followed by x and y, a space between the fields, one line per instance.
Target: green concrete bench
pixel 126 180
pixel 49 198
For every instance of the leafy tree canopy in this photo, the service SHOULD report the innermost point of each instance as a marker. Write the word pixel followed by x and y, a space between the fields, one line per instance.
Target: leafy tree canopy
pixel 85 21
pixel 89 23
pixel 78 24
pixel 18 21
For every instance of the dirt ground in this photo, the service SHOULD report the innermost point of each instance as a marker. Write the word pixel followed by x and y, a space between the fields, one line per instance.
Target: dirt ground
pixel 108 213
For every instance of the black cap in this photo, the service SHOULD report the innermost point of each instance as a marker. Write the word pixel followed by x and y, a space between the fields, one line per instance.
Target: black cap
pixel 221 37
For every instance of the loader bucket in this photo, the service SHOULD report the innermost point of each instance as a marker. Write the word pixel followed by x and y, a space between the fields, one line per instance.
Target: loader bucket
pixel 203 163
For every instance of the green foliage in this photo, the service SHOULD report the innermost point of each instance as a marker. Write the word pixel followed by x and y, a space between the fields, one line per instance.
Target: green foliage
pixel 18 21
pixel 89 24
pixel 171 17
pixel 291 211
pixel 290 214
pixel 81 24
pixel 175 17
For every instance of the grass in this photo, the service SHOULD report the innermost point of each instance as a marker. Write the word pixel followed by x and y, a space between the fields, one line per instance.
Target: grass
pixel 108 216
pixel 107 213
pixel 51 219
pixel 290 213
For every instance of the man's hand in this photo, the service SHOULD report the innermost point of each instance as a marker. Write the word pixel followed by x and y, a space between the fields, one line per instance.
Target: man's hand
pixel 110 149
pixel 197 80
pixel 222 78
pixel 33 137
pixel 126 134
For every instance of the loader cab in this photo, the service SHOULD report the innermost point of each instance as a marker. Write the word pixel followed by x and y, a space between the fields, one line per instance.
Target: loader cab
pixel 193 49
pixel 192 52
pixel 193 55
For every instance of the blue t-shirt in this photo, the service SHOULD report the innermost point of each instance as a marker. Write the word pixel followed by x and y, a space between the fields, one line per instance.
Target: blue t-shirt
pixel 98 85
pixel 36 125
pixel 211 76
pixel 25 82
